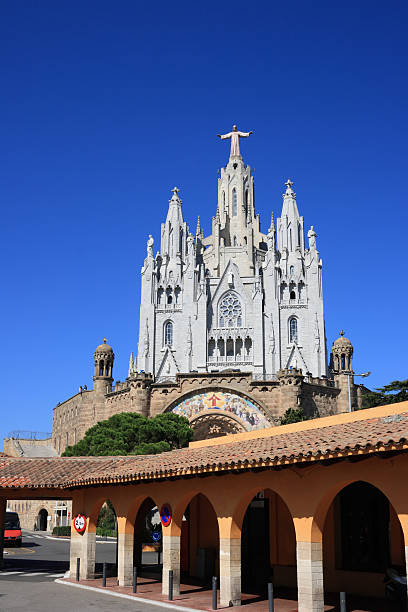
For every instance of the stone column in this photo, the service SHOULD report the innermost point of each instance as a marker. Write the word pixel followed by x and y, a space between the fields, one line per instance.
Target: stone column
pixel 82 546
pixel 310 576
pixel 125 557
pixel 3 504
pixel 171 561
pixel 230 572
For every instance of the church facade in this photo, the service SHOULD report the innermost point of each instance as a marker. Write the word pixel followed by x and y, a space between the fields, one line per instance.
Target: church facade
pixel 232 330
pixel 237 298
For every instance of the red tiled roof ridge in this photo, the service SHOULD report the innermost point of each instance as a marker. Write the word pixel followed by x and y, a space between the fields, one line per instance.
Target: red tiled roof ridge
pixel 363 437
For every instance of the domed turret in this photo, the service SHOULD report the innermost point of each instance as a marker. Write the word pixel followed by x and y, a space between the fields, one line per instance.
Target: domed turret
pixel 103 359
pixel 342 352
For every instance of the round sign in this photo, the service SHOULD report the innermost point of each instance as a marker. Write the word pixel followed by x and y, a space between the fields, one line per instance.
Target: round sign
pixel 156 536
pixel 165 515
pixel 80 523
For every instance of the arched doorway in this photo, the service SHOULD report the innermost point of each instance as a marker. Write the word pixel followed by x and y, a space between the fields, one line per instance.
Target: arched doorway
pixel 42 520
pixel 362 538
pixel 199 542
pixel 268 546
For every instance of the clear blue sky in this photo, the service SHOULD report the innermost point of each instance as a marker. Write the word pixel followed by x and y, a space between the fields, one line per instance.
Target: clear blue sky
pixel 105 106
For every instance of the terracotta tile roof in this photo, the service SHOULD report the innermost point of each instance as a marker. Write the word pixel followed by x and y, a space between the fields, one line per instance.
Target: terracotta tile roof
pixel 386 433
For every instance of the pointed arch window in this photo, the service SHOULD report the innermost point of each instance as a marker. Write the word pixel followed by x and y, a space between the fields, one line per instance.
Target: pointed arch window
pixel 234 203
pixel 168 334
pixel 293 330
pixel 230 311
pixel 235 241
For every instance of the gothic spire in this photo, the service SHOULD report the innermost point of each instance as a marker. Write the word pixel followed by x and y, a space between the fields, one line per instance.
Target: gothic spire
pixel 271 229
pixel 289 208
pixel 198 230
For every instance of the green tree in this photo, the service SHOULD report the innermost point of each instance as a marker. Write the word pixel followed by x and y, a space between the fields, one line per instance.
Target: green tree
pixel 129 433
pixel 395 391
pixel 293 415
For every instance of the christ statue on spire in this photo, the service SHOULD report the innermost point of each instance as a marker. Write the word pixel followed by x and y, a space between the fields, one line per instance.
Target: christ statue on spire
pixel 235 135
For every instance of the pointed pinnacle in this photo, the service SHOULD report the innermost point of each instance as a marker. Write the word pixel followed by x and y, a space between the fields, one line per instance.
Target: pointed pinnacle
pixel 272 226
pixel 198 230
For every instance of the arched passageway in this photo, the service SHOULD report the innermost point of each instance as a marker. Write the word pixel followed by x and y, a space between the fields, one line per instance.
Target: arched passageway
pixel 362 538
pixel 268 544
pixel 147 536
pixel 199 542
pixel 42 520
pixel 107 527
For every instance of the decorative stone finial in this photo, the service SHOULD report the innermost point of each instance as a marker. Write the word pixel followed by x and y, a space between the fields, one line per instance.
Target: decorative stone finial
pixel 175 190
pixel 105 340
pixel 342 333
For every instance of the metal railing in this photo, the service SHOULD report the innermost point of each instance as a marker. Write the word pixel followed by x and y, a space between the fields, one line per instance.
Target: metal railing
pixel 20 434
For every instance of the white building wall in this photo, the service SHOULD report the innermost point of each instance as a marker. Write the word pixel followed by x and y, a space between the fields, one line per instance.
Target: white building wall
pixel 261 270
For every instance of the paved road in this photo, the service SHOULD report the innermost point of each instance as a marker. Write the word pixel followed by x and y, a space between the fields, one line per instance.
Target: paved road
pixel 27 581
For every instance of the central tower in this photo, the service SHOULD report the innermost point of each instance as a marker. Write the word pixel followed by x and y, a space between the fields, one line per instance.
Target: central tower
pixel 237 298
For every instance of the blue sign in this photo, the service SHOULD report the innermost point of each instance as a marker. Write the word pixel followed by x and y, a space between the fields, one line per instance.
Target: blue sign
pixel 156 536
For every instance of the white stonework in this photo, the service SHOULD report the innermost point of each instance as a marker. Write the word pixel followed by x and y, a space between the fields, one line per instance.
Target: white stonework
pixel 237 298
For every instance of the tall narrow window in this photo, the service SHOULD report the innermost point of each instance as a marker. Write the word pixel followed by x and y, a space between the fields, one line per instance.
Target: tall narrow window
pixel 101 367
pixel 234 203
pixel 293 330
pixel 235 241
pixel 292 270
pixel 168 334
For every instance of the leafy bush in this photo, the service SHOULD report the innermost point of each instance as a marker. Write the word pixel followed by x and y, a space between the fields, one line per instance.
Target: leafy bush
pixel 107 518
pixel 102 531
pixel 293 415
pixel 62 531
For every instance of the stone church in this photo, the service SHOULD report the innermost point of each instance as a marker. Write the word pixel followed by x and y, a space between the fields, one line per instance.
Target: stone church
pixel 232 330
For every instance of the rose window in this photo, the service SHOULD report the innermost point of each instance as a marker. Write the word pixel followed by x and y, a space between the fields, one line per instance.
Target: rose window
pixel 230 311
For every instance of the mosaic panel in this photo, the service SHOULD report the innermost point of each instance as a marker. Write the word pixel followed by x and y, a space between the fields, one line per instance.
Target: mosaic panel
pixel 230 403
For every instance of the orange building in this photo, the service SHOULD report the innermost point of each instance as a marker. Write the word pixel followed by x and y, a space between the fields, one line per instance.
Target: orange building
pixel 320 506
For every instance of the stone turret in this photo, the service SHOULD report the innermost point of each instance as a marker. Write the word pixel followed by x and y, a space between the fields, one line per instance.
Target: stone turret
pixel 342 369
pixel 103 359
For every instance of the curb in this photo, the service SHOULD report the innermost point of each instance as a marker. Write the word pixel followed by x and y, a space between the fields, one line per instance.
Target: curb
pixel 152 602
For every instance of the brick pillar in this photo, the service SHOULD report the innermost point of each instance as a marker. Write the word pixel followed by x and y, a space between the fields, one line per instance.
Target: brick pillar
pixel 125 556
pixel 310 576
pixel 3 504
pixel 230 572
pixel 171 561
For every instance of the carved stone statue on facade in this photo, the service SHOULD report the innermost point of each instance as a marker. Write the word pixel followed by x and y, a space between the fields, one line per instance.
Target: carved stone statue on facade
pixel 150 243
pixel 146 345
pixel 235 135
pixel 311 234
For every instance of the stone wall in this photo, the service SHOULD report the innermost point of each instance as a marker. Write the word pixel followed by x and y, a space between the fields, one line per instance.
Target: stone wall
pixel 289 389
pixel 28 511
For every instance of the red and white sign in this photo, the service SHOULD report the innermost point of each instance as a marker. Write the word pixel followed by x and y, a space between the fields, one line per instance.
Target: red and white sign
pixel 80 523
